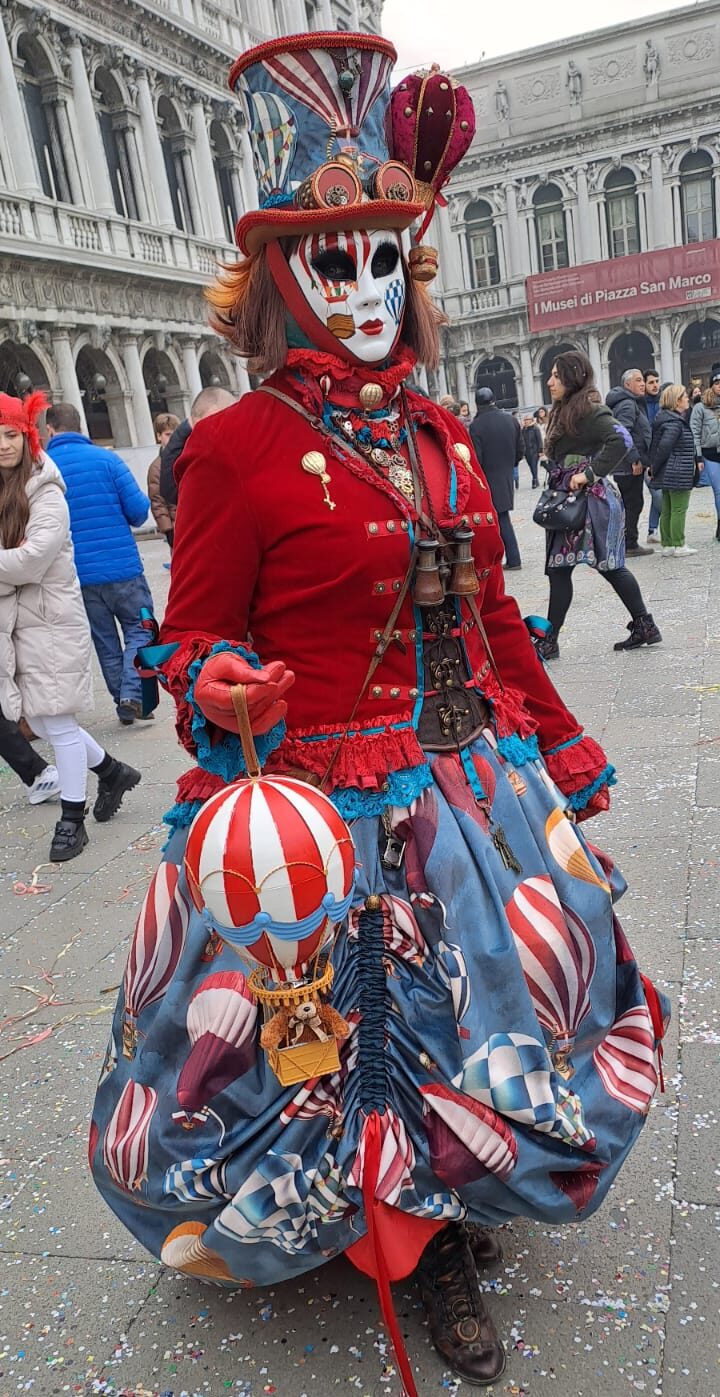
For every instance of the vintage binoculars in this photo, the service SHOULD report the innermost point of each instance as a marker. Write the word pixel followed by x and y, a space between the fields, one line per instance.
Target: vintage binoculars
pixel 445 568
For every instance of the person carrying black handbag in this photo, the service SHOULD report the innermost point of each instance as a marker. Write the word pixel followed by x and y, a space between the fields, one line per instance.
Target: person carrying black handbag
pixel 584 444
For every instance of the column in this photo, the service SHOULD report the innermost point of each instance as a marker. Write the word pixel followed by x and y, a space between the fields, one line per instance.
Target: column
pixel 449 248
pixel 12 114
pixel 461 380
pixel 92 146
pixel 238 200
pixel 207 183
pixel 595 357
pixel 667 363
pixel 66 373
pixel 526 374
pixel 128 184
pixel 583 230
pixel 154 153
pixel 243 377
pixel 530 240
pixel 141 407
pixel 191 367
pixel 77 195
pixel 247 176
pixel 515 259
pixel 136 174
pixel 195 212
pixel 659 231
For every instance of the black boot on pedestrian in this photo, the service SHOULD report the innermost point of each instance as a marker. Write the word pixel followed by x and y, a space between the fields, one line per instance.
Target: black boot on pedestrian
pixel 547 646
pixel 643 631
pixel 717 531
pixel 71 836
pixel 460 1327
pixel 484 1245
pixel 114 781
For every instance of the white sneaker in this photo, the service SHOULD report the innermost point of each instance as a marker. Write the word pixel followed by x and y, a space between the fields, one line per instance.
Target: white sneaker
pixel 684 552
pixel 668 552
pixel 45 786
pixel 654 537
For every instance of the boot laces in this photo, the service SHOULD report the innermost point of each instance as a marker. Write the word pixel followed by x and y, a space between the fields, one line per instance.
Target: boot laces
pixel 456 1281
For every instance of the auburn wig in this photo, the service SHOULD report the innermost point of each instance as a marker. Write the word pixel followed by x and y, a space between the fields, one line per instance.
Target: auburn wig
pixel 248 309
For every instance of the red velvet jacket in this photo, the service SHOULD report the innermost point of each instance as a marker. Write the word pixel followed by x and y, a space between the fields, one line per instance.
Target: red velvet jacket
pixel 259 553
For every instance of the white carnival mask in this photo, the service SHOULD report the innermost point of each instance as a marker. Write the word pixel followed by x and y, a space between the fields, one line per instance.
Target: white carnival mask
pixel 354 284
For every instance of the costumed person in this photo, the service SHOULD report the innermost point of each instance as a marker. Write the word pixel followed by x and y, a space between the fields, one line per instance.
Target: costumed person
pixel 497 1051
pixel 45 649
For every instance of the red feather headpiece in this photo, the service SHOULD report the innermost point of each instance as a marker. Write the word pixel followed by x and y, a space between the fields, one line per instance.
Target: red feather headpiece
pixel 23 414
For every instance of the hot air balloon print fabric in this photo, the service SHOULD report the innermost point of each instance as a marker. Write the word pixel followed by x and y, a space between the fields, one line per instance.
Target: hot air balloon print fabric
pixel 500 1040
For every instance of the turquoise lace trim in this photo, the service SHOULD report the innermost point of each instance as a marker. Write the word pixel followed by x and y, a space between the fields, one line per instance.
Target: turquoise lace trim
pixel 402 787
pixel 581 798
pixel 518 750
pixel 571 742
pixel 182 814
pixel 225 758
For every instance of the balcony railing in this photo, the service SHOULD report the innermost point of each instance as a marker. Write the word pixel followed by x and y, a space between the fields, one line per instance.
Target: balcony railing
pixel 39 226
pixel 459 304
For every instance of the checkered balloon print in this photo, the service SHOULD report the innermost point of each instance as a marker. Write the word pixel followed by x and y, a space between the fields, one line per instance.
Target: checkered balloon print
pixel 513 1074
pixel 395 299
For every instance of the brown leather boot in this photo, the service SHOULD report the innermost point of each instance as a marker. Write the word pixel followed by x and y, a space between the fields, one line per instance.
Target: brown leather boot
pixel 460 1327
pixel 484 1245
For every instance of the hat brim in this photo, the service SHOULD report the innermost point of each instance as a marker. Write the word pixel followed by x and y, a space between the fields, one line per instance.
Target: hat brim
pixel 262 226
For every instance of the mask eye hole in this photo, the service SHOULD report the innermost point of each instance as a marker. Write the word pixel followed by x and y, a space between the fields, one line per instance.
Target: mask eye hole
pixel 335 266
pixel 385 260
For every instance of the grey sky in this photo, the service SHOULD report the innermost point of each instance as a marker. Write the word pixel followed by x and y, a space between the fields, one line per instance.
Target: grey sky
pixel 456 32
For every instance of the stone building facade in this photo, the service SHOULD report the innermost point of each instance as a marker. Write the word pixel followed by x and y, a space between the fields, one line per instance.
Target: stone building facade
pixel 596 148
pixel 124 166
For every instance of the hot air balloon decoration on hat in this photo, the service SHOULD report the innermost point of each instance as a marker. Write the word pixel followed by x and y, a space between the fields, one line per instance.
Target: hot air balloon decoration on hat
pixel 270 864
pixel 432 124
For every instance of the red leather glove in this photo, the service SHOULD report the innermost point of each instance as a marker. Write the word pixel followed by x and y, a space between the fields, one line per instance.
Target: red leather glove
pixel 265 691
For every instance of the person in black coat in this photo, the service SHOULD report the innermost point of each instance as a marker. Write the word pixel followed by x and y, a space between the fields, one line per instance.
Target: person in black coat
pixel 672 464
pixel 532 448
pixel 497 439
pixel 208 401
pixel 628 406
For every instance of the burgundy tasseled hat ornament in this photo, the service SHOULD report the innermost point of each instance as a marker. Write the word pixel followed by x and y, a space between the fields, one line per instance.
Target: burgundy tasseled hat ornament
pixel 432 124
pixel 23 414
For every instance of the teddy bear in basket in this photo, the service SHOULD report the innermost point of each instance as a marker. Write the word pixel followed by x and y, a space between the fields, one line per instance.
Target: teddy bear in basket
pixel 303 1023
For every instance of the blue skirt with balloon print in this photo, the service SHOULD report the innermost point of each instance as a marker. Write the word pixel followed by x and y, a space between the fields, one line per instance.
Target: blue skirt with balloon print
pixel 500 1032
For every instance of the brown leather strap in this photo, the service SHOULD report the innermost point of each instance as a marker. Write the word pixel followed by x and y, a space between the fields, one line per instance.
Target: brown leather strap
pixel 477 618
pixel 238 694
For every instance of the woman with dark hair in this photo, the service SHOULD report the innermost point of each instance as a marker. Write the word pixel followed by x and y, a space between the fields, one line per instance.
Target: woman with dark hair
pixel 357 545
pixel 45 648
pixel 584 444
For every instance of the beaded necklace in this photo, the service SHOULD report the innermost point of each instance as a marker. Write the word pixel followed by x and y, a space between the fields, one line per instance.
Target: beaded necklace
pixel 378 436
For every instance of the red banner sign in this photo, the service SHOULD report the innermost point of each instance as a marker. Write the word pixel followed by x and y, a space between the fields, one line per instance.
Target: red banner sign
pixel 624 286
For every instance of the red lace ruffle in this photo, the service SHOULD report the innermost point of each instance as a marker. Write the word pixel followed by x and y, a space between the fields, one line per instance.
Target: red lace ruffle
pixel 363 760
pixel 349 377
pixel 579 766
pixel 197 784
pixel 509 711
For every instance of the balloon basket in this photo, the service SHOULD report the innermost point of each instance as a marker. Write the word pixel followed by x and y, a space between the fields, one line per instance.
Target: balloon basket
pixel 295 1062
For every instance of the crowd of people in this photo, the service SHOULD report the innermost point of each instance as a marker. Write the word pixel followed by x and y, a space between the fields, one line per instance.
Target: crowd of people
pixel 71 577
pixel 649 441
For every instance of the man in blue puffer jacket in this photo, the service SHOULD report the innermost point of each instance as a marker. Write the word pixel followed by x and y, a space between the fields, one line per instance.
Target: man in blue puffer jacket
pixel 104 502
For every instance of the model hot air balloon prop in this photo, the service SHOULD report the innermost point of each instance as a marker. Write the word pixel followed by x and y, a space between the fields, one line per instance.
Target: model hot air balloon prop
pixel 221 1021
pixel 270 863
pixel 558 959
pixel 155 950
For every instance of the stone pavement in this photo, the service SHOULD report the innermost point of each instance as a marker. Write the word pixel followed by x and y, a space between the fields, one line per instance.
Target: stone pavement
pixel 626 1302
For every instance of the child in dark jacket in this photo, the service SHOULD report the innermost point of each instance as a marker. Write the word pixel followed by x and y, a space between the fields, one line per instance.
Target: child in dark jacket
pixel 672 463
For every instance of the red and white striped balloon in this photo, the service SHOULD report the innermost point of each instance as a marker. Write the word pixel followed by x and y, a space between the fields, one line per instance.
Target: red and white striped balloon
pixel 156 946
pixel 557 956
pixel 625 1060
pixel 125 1146
pixel 274 845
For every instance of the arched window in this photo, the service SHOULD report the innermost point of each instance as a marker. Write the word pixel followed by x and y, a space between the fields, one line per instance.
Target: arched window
pixel 42 120
pixel 632 350
pixel 178 166
pixel 498 374
pixel 482 244
pixel 698 201
pixel 227 176
pixel 621 209
pixel 550 228
pixel 119 152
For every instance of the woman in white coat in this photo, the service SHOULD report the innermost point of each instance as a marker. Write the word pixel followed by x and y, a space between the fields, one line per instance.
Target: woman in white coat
pixel 45 647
